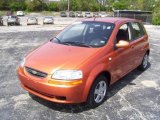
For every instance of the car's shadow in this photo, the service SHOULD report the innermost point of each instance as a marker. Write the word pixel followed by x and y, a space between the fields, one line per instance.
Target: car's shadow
pixel 77 108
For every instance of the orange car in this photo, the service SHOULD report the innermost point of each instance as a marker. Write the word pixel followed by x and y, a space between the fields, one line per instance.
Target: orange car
pixel 81 62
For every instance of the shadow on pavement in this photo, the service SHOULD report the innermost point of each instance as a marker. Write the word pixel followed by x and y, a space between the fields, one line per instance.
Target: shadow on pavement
pixel 77 108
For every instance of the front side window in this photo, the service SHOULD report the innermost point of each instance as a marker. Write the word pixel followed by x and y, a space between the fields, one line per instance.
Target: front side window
pixel 86 34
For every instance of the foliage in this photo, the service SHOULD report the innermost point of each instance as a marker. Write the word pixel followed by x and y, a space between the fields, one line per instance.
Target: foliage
pixel 119 5
pixel 15 6
pixel 156 14
pixel 53 6
pixel 84 5
pixel 35 5
pixel 4 5
pixel 77 5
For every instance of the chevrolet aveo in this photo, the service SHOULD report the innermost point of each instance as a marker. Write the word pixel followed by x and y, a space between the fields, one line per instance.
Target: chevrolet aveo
pixel 82 61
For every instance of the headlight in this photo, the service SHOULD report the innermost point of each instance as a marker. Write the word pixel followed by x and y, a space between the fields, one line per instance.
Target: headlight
pixel 67 74
pixel 22 62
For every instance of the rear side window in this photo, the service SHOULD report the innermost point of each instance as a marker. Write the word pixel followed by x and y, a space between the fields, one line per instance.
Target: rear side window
pixel 137 30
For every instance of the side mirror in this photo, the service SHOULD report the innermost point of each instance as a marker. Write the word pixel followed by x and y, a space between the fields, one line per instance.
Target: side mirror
pixel 122 44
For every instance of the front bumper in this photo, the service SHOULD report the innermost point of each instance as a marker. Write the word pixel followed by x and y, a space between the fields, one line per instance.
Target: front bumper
pixel 31 23
pixel 48 22
pixel 51 92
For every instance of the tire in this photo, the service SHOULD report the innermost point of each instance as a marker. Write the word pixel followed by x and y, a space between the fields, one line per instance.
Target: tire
pixel 144 65
pixel 98 92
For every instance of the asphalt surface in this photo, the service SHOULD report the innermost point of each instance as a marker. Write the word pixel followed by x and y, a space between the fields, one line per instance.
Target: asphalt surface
pixel 134 97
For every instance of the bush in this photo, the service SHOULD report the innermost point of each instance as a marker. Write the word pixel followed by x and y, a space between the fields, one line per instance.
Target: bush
pixel 119 5
pixel 156 17
pixel 94 7
pixel 15 6
pixel 156 14
pixel 35 5
pixel 4 5
pixel 53 6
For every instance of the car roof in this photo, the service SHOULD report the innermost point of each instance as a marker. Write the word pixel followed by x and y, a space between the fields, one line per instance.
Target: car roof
pixel 110 19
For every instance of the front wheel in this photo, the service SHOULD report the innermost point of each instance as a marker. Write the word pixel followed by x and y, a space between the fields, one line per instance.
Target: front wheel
pixel 143 66
pixel 98 92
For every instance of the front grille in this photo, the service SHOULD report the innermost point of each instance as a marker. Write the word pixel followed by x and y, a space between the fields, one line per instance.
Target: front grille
pixel 36 73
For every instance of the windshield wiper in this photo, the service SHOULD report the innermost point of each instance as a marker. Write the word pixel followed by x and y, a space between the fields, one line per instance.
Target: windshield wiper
pixel 76 43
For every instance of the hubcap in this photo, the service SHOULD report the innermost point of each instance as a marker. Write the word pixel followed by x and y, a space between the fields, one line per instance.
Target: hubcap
pixel 100 91
pixel 145 61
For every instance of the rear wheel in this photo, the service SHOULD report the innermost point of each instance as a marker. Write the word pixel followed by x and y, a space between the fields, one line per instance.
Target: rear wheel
pixel 98 92
pixel 144 63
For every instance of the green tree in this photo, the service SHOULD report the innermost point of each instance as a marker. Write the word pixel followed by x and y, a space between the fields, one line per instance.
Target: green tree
pixel 119 5
pixel 4 5
pixel 35 5
pixel 53 6
pixel 75 5
pixel 14 6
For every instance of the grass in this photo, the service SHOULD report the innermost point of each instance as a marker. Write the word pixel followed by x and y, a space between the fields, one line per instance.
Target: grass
pixel 2 13
pixel 45 13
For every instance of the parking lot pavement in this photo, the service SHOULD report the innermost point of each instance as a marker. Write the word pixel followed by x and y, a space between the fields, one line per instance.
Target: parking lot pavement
pixel 134 97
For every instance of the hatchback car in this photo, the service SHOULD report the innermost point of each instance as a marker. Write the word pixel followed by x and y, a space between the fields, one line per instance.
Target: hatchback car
pixel 103 14
pixel 13 20
pixel 79 14
pixel 48 20
pixel 88 15
pixel 20 13
pixel 63 14
pixel 32 21
pixel 81 62
pixel 96 14
pixel 72 14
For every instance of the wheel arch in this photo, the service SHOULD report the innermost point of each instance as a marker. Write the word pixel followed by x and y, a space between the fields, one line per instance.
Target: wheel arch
pixel 107 74
pixel 91 80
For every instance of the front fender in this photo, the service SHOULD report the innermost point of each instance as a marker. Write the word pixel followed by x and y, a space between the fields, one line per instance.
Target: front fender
pixel 93 74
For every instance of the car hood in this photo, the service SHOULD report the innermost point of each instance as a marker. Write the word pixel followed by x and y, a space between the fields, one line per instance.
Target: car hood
pixel 53 56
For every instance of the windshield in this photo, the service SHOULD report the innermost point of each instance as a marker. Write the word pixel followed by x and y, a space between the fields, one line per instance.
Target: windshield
pixel 103 13
pixel 88 13
pixel 12 17
pixel 31 17
pixel 63 13
pixel 86 34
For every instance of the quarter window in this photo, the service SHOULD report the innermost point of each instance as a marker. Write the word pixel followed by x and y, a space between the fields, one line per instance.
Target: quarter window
pixel 124 33
pixel 137 30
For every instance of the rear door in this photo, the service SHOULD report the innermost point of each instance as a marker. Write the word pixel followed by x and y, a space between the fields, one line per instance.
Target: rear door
pixel 138 42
